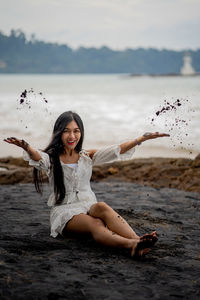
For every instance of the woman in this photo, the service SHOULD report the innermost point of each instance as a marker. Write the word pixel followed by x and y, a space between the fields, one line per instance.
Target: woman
pixel 74 205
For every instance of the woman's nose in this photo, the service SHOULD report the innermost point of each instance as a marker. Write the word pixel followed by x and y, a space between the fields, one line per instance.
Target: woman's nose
pixel 71 134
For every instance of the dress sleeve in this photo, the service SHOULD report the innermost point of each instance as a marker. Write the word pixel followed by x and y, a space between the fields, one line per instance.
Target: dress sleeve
pixel 43 164
pixel 110 154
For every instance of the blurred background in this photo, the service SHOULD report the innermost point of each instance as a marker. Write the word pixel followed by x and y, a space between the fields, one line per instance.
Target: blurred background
pixel 116 63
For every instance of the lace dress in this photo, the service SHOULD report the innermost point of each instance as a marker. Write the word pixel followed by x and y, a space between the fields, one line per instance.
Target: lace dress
pixel 79 197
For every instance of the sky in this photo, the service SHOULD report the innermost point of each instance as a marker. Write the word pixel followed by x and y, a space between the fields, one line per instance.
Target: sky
pixel 118 24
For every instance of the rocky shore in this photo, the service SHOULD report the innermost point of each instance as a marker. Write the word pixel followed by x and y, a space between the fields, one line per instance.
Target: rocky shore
pixel 34 265
pixel 160 194
pixel 179 173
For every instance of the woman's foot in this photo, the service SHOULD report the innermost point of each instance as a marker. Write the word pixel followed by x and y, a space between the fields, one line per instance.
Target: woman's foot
pixel 139 249
pixel 144 244
pixel 151 237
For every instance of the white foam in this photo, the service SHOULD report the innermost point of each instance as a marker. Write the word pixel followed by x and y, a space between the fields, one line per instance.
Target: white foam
pixel 113 108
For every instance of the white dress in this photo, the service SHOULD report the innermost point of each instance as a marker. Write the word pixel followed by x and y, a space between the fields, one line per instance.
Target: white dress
pixel 79 197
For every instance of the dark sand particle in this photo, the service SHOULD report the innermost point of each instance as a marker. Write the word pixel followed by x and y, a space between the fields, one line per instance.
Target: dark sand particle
pixel 176 125
pixel 24 97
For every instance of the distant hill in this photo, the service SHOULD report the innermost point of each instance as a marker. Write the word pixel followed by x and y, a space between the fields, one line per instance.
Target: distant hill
pixel 19 55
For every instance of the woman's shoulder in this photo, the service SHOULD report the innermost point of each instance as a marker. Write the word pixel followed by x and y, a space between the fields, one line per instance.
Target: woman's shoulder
pixel 90 153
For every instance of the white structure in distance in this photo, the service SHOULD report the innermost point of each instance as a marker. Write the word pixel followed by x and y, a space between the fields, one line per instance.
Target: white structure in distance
pixel 187 68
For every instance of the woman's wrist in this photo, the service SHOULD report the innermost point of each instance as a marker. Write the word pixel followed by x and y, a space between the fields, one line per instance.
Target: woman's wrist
pixel 25 145
pixel 140 140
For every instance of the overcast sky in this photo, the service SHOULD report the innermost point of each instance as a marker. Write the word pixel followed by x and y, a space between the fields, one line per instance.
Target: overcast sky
pixel 119 24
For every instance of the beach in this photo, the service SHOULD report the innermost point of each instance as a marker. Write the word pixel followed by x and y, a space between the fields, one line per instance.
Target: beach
pixel 92 82
pixel 159 189
pixel 37 266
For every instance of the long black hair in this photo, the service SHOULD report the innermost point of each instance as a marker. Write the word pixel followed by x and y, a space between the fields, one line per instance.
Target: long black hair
pixel 55 149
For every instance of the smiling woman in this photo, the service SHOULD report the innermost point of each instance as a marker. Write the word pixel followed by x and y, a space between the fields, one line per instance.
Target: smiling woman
pixel 74 205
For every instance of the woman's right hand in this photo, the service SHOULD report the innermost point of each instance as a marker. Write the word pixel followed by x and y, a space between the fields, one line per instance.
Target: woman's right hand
pixel 20 143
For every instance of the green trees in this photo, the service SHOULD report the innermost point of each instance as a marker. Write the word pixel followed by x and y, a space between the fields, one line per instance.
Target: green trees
pixel 19 55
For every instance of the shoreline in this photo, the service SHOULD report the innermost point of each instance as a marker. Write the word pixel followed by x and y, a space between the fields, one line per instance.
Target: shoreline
pixel 143 151
pixel 157 172
pixel 146 150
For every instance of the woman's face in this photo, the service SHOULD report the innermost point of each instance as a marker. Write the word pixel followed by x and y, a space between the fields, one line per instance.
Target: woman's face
pixel 71 135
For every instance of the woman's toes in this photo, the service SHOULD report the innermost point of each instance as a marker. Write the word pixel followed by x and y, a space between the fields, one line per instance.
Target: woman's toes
pixel 145 251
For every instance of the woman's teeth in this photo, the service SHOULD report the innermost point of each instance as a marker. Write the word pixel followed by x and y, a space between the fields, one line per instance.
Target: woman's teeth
pixel 71 142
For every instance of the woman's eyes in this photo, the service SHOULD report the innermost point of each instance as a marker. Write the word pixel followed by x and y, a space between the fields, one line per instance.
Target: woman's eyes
pixel 68 131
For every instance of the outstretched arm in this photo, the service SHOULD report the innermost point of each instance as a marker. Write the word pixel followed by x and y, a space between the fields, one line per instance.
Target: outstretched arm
pixel 34 154
pixel 147 136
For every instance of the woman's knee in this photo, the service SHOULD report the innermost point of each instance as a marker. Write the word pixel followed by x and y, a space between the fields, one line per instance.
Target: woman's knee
pixel 96 222
pixel 99 209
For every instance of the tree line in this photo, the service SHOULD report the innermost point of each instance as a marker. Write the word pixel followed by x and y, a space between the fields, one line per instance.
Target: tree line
pixel 20 55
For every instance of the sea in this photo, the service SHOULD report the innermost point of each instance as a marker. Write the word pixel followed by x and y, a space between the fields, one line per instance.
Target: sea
pixel 114 108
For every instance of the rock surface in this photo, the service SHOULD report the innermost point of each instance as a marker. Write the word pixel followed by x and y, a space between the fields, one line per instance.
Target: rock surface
pixel 179 173
pixel 37 266
pixel 176 173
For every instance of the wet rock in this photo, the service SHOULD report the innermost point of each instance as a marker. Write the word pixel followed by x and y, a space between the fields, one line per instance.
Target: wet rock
pixel 180 173
pixel 177 173
pixel 196 162
pixel 113 171
pixel 34 265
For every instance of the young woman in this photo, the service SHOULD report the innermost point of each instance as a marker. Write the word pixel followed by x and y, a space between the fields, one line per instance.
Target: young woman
pixel 74 205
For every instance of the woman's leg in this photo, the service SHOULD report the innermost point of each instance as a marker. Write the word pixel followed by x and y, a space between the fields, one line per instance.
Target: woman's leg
pixel 112 219
pixel 87 224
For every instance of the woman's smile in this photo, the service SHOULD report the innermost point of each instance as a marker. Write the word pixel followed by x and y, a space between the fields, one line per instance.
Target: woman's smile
pixel 71 142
